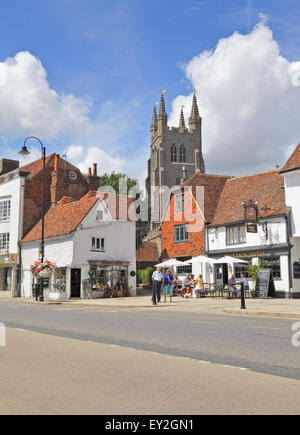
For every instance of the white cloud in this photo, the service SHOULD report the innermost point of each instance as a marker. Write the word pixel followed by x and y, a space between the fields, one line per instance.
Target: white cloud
pixel 29 106
pixel 249 99
pixel 84 157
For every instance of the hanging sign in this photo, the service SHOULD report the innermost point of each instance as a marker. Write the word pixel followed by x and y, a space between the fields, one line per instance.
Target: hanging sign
pixel 251 228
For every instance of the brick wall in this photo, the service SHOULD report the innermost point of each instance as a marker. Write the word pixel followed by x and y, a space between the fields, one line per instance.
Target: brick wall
pixel 195 245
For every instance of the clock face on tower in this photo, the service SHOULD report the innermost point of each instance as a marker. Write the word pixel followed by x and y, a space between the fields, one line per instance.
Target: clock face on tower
pixel 72 175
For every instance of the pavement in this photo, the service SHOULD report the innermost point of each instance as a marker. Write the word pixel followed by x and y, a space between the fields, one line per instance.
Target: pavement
pixel 286 308
pixel 47 374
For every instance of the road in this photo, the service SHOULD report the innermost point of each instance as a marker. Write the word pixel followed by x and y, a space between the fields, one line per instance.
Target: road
pixel 260 344
pixel 196 359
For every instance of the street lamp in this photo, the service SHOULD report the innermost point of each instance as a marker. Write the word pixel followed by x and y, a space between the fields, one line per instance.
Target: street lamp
pixel 24 151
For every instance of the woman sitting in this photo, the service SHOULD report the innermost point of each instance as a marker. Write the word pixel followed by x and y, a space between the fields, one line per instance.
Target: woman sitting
pixel 199 287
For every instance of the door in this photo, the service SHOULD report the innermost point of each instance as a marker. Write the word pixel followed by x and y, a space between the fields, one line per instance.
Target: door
pixel 221 273
pixel 75 283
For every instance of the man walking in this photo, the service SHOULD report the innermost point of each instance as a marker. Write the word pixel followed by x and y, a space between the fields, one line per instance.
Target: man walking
pixel 156 279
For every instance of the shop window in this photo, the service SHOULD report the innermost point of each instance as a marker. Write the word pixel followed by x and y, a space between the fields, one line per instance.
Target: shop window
pixel 5 278
pixel 296 268
pixel 97 244
pixel 241 269
pixel 184 269
pixel 272 263
pixel 4 243
pixel 4 210
pixel 59 280
pixel 109 279
pixel 235 235
pixel 181 233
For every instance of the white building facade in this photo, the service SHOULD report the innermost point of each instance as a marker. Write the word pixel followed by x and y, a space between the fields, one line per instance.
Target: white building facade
pixel 99 254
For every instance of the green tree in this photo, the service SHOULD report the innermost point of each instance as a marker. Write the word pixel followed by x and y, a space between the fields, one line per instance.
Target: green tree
pixel 114 179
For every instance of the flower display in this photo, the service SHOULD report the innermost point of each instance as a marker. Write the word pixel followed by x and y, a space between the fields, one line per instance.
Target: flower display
pixel 42 269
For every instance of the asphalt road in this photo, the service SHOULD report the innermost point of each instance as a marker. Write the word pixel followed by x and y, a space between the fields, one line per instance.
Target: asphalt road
pixel 260 344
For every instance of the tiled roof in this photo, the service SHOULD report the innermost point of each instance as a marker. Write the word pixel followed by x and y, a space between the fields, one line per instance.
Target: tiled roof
pixel 213 186
pixel 37 166
pixel 65 217
pixel 148 252
pixel 265 188
pixel 293 162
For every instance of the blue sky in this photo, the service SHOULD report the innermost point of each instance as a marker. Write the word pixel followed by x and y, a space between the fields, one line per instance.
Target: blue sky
pixel 115 57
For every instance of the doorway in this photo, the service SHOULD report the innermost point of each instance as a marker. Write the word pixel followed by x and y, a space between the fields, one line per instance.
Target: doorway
pixel 221 274
pixel 75 283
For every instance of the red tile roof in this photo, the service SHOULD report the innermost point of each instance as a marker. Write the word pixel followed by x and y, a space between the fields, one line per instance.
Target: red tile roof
pixel 66 216
pixel 265 188
pixel 293 162
pixel 213 186
pixel 148 252
pixel 37 166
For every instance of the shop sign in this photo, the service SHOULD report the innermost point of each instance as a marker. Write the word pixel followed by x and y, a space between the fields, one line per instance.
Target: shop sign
pixel 252 228
pixel 253 254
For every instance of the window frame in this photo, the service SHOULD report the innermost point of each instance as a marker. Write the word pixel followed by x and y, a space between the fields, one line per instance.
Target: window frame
pixel 179 203
pixel 183 233
pixel 4 250
pixel 4 201
pixel 230 239
pixel 98 244
pixel 173 153
pixel 182 154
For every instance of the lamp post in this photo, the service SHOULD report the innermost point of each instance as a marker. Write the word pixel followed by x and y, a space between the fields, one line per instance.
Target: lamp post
pixel 24 151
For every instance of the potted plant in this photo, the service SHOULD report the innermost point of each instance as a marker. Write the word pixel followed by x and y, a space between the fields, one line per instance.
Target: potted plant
pixel 253 270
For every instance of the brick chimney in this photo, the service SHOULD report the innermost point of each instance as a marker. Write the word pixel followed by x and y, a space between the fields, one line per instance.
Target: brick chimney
pixel 8 165
pixel 93 180
pixel 57 182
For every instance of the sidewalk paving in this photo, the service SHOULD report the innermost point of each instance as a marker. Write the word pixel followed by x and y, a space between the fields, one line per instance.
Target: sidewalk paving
pixel 254 307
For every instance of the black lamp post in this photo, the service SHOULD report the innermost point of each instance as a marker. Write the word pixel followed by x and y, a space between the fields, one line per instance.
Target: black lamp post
pixel 24 151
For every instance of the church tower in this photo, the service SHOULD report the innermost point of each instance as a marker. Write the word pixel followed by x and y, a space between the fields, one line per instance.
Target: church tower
pixel 175 153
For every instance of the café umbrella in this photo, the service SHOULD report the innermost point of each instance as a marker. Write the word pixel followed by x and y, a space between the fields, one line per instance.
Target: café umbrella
pixel 170 263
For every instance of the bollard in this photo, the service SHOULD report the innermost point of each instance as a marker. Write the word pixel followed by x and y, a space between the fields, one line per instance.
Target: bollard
pixel 243 305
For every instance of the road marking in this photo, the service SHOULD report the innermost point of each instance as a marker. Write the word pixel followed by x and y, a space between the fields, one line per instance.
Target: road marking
pixel 21 329
pixel 265 327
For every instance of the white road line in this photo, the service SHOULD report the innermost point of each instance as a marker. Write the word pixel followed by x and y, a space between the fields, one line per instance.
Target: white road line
pixel 20 329
pixel 265 327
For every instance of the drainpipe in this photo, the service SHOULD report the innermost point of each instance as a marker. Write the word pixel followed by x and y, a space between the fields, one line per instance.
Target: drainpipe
pixel 288 235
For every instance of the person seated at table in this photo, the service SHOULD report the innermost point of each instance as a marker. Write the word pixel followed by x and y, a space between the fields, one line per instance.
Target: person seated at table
pixel 199 287
pixel 185 289
pixel 176 285
pixel 231 287
pixel 244 281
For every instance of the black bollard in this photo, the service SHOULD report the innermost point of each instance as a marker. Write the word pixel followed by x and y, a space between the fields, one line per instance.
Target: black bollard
pixel 243 305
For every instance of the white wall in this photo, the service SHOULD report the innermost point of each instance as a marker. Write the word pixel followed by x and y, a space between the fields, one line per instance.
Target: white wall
pixel 276 235
pixel 292 196
pixel 14 190
pixel 57 250
pixel 295 257
pixel 120 244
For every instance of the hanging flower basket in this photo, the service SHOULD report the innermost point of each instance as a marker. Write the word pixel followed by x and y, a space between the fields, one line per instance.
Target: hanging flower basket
pixel 43 270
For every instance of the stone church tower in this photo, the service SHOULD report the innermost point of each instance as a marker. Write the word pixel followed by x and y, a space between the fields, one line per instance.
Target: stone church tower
pixel 176 153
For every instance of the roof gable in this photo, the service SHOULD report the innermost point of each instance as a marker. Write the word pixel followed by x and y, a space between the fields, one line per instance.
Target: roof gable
pixel 293 162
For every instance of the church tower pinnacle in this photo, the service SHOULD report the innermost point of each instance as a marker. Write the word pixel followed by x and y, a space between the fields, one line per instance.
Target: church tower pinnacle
pixel 195 119
pixel 181 120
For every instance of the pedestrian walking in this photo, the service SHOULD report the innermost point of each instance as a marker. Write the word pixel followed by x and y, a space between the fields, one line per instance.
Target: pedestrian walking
pixel 168 285
pixel 156 279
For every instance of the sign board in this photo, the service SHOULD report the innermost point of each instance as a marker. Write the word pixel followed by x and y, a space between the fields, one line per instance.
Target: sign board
pixel 251 228
pixel 251 213
pixel 265 284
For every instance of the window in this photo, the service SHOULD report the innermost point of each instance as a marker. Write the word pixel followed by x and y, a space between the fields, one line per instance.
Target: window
pixel 178 180
pixel 173 153
pixel 296 268
pixel 236 235
pixel 97 244
pixel 272 263
pixel 4 210
pixel 181 233
pixel 184 269
pixel 5 278
pixel 241 269
pixel 4 243
pixel 59 280
pixel 99 215
pixel 179 203
pixel 182 156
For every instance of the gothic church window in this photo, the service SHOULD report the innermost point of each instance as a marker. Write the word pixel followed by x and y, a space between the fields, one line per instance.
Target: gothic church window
pixel 182 154
pixel 173 153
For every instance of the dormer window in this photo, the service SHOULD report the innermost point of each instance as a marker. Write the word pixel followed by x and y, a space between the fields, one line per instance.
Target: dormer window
pixel 99 215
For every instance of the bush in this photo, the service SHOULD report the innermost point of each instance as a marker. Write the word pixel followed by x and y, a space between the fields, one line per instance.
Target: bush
pixel 145 275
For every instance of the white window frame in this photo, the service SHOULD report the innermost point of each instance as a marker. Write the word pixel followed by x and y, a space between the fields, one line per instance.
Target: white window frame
pixel 3 201
pixel 4 243
pixel 98 244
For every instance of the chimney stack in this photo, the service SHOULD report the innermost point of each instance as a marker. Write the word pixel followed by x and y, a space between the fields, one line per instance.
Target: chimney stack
pixel 93 180
pixel 56 162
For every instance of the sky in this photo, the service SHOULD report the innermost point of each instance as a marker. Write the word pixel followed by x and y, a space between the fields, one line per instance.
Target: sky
pixel 83 75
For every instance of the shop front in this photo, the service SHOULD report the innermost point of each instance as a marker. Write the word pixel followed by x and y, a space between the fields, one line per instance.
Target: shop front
pixel 108 279
pixel 9 275
pixel 274 258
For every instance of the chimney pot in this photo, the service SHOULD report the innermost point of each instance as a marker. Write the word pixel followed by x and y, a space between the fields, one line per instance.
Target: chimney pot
pixel 95 169
pixel 56 161
pixel 89 171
